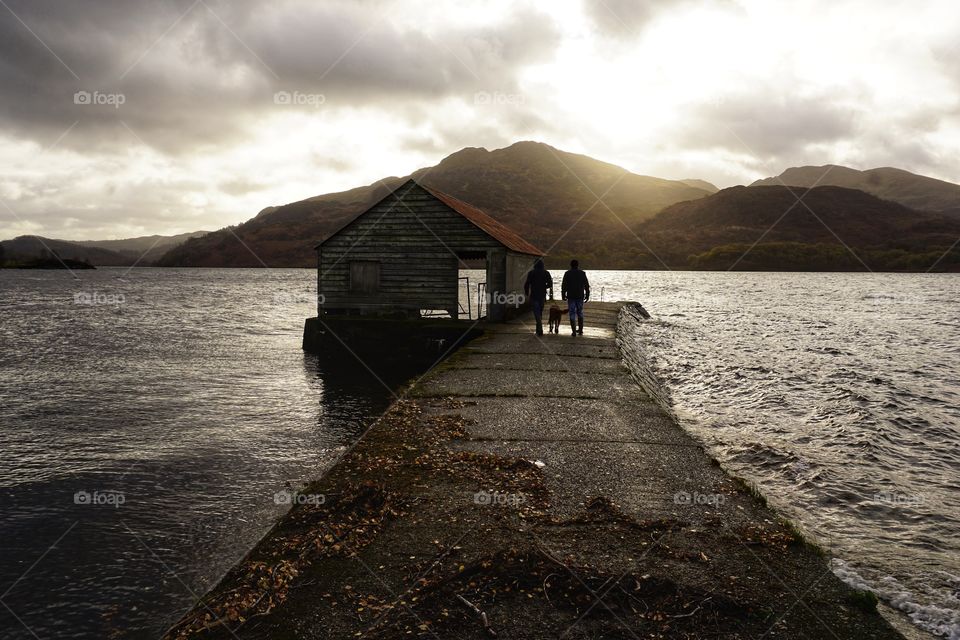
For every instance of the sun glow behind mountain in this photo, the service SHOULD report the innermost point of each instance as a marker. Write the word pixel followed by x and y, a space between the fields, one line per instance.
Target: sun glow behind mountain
pixel 724 91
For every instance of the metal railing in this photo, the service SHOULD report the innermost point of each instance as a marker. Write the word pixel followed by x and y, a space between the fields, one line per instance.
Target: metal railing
pixel 466 280
pixel 481 294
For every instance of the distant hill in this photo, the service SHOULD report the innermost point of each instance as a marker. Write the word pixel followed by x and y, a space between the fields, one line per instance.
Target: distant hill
pixel 909 189
pixel 144 249
pixel 701 184
pixel 29 248
pixel 540 191
pixel 715 232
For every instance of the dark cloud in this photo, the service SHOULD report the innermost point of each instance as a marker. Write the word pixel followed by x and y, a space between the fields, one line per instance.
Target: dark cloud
pixel 773 131
pixel 192 74
pixel 498 120
pixel 336 164
pixel 360 54
pixel 240 186
pixel 198 80
pixel 890 149
pixel 443 141
pixel 626 19
pixel 110 49
pixel 767 124
pixel 947 56
pixel 620 18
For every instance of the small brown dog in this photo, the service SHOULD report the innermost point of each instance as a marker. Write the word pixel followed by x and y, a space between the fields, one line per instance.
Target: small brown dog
pixel 556 315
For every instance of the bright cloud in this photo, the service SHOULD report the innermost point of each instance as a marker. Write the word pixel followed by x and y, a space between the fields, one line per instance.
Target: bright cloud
pixel 134 117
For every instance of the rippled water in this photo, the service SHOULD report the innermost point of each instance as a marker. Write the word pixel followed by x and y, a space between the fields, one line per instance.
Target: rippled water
pixel 839 396
pixel 187 393
pixel 184 391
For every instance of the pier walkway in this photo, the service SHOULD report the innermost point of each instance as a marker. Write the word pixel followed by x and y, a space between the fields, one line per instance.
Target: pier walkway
pixel 528 487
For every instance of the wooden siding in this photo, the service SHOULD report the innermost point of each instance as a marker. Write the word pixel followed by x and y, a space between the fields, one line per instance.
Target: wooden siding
pixel 415 238
pixel 364 277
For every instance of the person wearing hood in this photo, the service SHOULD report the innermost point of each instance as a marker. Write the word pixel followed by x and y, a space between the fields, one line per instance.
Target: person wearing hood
pixel 575 289
pixel 535 287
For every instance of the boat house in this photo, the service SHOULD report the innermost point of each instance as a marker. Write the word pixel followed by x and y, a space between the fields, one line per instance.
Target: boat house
pixel 401 259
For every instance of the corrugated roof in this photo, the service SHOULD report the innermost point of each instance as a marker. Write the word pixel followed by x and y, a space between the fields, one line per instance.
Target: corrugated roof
pixel 496 230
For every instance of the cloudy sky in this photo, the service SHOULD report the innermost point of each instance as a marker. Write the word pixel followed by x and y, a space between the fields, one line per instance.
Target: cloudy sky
pixel 131 117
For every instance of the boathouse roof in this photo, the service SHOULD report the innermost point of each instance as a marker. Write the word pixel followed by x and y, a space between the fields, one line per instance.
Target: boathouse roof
pixel 476 216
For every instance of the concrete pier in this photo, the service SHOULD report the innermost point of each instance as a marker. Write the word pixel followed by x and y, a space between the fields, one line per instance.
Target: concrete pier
pixel 528 487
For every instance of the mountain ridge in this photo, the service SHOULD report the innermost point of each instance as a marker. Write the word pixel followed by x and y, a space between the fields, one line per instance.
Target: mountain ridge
pixel 836 228
pixel 573 205
pixel 30 247
pixel 537 190
pixel 142 250
pixel 890 183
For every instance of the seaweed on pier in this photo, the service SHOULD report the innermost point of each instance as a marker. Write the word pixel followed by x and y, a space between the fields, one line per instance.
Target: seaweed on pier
pixel 339 528
pixel 566 594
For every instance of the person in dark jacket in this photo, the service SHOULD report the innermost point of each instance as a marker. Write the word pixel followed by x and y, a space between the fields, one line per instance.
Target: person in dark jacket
pixel 535 288
pixel 575 289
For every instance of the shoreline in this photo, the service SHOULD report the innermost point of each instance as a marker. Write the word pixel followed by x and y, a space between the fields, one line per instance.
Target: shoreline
pixel 546 499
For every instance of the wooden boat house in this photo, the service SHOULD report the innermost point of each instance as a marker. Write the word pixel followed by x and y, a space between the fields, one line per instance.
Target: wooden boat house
pixel 401 259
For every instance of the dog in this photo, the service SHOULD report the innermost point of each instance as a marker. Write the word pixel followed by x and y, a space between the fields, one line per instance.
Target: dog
pixel 556 315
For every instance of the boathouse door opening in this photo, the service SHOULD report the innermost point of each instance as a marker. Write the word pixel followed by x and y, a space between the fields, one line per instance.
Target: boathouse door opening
pixel 473 278
pixel 471 273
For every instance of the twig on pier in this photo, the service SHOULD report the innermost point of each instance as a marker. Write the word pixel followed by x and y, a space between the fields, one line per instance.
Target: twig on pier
pixel 481 614
pixel 545 594
pixel 699 606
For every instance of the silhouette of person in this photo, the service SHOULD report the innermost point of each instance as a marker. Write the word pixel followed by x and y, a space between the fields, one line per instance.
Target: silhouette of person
pixel 535 288
pixel 575 289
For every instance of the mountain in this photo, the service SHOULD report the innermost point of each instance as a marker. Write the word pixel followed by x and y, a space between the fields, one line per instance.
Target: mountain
pixel 573 205
pixel 142 250
pixel 26 248
pixel 718 232
pixel 909 189
pixel 701 184
pixel 549 196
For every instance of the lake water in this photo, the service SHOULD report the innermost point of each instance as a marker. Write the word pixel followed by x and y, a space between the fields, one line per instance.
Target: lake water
pixel 838 395
pixel 150 417
pixel 182 393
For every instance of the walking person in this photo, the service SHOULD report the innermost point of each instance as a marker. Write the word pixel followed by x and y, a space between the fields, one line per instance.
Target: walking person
pixel 575 289
pixel 535 288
